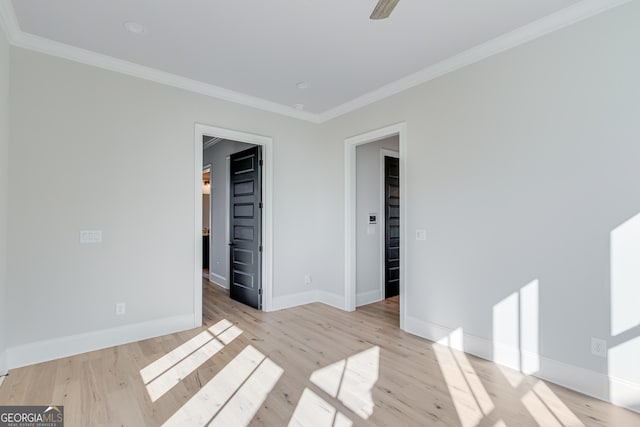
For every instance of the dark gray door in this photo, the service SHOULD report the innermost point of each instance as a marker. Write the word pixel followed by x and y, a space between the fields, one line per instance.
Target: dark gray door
pixel 392 226
pixel 246 227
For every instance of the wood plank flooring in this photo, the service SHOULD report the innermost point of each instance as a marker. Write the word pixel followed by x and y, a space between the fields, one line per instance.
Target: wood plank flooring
pixel 376 375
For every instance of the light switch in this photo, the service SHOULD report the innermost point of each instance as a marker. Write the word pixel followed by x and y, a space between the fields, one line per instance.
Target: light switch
pixel 91 236
pixel 421 234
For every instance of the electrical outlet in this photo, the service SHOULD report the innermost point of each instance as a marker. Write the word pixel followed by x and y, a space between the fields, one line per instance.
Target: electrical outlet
pixel 421 234
pixel 307 279
pixel 121 308
pixel 598 347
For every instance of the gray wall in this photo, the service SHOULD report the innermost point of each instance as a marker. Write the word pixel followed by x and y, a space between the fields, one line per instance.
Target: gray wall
pixel 520 167
pixel 216 156
pixel 4 189
pixel 100 133
pixel 368 246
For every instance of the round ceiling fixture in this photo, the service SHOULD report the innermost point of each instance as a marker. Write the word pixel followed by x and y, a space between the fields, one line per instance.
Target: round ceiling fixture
pixel 302 85
pixel 299 106
pixel 134 27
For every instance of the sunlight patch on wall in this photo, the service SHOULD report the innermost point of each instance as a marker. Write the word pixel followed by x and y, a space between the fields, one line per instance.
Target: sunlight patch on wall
pixel 454 340
pixel 516 331
pixel 624 373
pixel 625 276
pixel 624 343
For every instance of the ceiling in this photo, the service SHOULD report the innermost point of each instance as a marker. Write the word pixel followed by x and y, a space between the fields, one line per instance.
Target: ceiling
pixel 258 50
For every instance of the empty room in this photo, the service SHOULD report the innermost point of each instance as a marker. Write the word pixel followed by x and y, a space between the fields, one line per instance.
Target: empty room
pixel 319 213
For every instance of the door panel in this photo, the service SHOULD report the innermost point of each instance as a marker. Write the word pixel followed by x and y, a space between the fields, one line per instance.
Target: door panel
pixel 246 227
pixel 392 226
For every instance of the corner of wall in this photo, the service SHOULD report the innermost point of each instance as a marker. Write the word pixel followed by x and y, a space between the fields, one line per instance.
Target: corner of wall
pixel 308 297
pixel 3 364
pixel 4 178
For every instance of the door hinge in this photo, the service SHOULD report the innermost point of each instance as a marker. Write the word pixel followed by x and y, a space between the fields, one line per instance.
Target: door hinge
pixel 260 291
pixel 260 248
pixel 261 162
pixel 260 205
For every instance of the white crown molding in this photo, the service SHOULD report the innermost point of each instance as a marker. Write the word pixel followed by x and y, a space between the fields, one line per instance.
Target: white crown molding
pixel 556 21
pixel 50 47
pixel 8 21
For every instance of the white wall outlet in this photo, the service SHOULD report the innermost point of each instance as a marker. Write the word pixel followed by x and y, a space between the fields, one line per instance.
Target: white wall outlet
pixel 421 234
pixel 91 236
pixel 307 279
pixel 598 347
pixel 121 308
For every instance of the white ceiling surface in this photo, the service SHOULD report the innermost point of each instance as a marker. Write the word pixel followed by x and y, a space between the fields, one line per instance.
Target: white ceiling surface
pixel 262 48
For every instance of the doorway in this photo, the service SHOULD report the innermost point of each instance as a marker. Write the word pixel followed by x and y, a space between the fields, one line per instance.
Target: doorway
pixel 376 222
pixel 215 135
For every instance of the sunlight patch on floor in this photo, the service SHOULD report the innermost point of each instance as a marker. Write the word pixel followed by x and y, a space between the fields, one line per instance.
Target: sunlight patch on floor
pixel 566 417
pixel 242 407
pixel 166 372
pixel 312 410
pixel 161 365
pixel 470 398
pixel 234 385
pixel 352 381
pixel 475 384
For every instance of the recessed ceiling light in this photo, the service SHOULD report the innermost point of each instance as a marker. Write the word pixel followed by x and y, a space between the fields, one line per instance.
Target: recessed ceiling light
pixel 134 27
pixel 299 106
pixel 302 85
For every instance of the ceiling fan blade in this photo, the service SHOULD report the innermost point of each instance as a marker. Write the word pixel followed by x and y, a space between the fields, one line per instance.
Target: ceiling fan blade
pixel 383 9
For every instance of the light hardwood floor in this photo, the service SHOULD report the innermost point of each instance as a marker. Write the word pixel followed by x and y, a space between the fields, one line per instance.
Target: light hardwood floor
pixel 377 375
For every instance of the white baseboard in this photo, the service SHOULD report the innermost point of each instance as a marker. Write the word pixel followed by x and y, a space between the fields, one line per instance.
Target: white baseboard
pixel 294 300
pixel 601 386
pixel 308 297
pixel 3 366
pixel 624 393
pixel 218 280
pixel 370 297
pixel 43 351
pixel 328 298
pixel 214 279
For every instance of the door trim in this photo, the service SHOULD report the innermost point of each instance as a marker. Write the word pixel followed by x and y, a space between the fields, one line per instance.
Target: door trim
pixel 209 166
pixel 383 218
pixel 351 143
pixel 266 142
